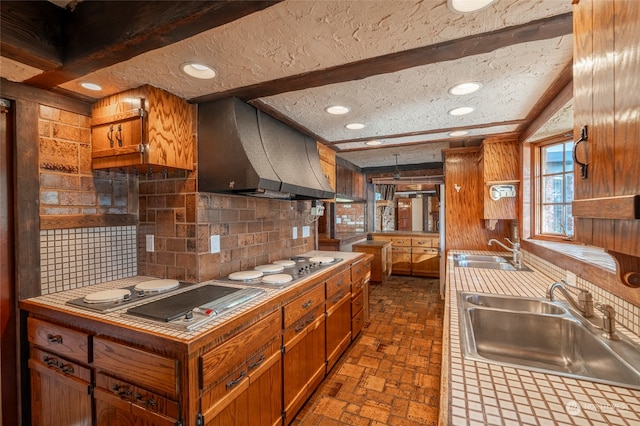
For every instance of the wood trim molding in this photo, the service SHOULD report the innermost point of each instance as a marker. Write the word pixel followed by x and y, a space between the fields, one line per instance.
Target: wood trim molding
pixel 87 221
pixel 621 207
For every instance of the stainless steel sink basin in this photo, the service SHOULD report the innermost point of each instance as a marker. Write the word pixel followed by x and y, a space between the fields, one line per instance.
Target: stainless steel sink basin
pixel 513 333
pixel 503 266
pixel 520 304
pixel 480 258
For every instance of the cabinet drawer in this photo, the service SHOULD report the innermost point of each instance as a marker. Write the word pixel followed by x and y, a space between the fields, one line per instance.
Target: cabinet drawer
pixel 61 365
pixel 421 242
pixel 249 346
pixel 357 303
pixel 336 297
pixel 401 242
pixel 143 368
pixel 357 323
pixel 300 327
pixel 61 340
pixel 338 282
pixel 360 270
pixel 302 305
pixel 139 398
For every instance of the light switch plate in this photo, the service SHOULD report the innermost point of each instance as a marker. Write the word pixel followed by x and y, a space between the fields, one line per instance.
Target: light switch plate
pixel 214 243
pixel 150 243
pixel 294 232
pixel 306 231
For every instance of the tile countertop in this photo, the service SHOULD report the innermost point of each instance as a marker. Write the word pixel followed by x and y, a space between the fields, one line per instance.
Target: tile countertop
pixel 119 317
pixel 479 393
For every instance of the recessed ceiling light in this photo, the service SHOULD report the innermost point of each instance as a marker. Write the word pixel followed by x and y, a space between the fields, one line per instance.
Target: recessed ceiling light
pixel 355 126
pixel 373 143
pixel 91 86
pixel 461 111
pixel 465 88
pixel 458 133
pixel 337 109
pixel 467 6
pixel 197 70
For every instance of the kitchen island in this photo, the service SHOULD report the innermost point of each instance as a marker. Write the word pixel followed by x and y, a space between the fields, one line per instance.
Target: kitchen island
pixel 146 371
pixel 474 392
pixel 414 253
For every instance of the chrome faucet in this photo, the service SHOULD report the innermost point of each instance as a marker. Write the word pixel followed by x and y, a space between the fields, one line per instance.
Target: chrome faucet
pixel 585 305
pixel 517 254
pixel 585 301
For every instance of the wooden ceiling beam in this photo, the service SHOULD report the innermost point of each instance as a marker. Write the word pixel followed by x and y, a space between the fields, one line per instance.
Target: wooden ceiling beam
pixel 542 29
pixel 97 34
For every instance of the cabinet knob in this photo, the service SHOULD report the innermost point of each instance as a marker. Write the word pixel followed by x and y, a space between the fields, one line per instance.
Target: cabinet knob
pixel 54 338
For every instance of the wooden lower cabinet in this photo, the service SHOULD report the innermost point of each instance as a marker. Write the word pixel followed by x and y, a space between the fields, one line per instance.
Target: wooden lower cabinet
pixel 304 365
pixel 58 398
pixel 258 402
pixel 401 260
pixel 338 326
pixel 260 375
pixel 425 262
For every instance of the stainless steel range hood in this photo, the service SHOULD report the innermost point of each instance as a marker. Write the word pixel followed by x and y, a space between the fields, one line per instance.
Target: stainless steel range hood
pixel 242 150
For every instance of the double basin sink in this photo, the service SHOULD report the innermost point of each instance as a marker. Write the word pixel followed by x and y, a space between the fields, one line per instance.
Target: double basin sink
pixel 486 262
pixel 544 336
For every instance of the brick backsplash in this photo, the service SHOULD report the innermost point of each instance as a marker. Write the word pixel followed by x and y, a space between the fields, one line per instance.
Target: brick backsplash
pixel 73 258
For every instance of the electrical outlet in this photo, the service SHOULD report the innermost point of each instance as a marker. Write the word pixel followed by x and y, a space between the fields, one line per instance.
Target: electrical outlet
pixel 150 243
pixel 571 278
pixel 294 232
pixel 214 242
pixel 306 231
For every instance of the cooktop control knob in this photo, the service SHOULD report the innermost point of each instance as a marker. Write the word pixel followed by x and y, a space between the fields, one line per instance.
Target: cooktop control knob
pixel 189 316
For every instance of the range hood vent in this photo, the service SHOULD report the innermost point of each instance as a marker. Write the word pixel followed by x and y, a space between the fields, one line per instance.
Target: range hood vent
pixel 242 150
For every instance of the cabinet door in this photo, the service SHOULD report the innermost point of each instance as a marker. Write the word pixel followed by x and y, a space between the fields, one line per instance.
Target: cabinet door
pixel 606 62
pixel 303 366
pixel 112 410
pixel 338 326
pixel 58 399
pixel 425 262
pixel 259 404
pixel 401 260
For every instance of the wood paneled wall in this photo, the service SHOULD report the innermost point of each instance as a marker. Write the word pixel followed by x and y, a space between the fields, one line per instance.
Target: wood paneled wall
pixel 465 227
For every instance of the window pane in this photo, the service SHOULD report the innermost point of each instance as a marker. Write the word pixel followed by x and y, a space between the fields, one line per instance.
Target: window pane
pixel 569 221
pixel 552 188
pixel 568 180
pixel 552 216
pixel 552 159
pixel 568 155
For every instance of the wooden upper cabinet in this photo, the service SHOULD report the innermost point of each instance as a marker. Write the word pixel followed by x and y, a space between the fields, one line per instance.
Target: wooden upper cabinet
pixel 349 183
pixel 499 162
pixel 606 206
pixel 328 163
pixel 144 128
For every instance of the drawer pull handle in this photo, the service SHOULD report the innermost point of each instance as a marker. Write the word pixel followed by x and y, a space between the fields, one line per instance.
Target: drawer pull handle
pixel 67 368
pixel 121 390
pixel 301 326
pixel 257 363
pixel 337 298
pixel 308 303
pixel 358 303
pixel 54 338
pixel 358 270
pixel 50 361
pixel 233 383
pixel 339 283
pixel 119 135
pixel 150 402
pixel 110 136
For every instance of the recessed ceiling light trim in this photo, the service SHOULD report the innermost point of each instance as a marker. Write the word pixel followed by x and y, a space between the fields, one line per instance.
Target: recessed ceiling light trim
pixel 355 126
pixel 458 133
pixel 198 70
pixel 337 109
pixel 465 88
pixel 468 6
pixel 373 143
pixel 91 86
pixel 461 111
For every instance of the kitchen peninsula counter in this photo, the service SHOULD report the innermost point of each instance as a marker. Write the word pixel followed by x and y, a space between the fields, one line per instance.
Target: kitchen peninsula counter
pixel 474 392
pixel 342 241
pixel 150 372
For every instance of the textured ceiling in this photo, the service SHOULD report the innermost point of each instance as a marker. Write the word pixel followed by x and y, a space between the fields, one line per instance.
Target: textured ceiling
pixel 406 109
